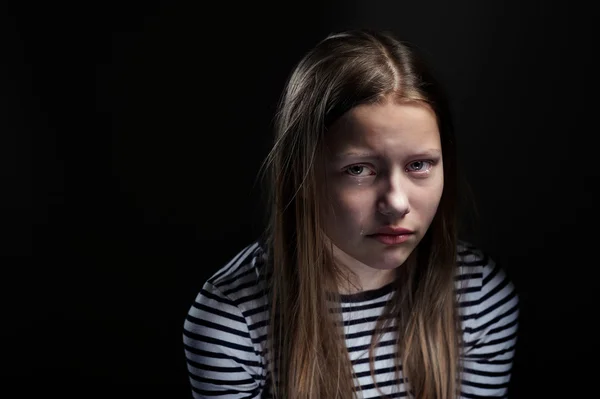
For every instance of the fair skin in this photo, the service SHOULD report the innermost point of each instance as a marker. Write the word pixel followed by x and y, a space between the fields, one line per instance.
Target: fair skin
pixel 384 168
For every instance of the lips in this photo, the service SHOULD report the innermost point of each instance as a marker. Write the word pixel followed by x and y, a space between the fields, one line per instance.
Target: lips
pixel 393 231
pixel 391 239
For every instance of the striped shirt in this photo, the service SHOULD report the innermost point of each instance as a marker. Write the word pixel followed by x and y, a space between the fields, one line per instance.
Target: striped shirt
pixel 225 331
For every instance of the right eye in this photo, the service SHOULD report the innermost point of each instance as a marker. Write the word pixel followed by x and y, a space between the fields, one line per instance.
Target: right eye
pixel 358 170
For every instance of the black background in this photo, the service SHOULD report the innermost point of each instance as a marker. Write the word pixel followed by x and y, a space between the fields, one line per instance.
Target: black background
pixel 131 135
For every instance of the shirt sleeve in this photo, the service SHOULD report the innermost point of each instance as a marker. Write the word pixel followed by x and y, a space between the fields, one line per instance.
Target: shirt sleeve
pixel 491 337
pixel 221 358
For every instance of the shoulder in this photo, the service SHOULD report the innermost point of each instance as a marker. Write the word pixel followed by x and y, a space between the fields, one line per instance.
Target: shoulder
pixel 488 307
pixel 234 294
pixel 242 268
pixel 237 283
pixel 484 288
pixel 479 270
pixel 223 330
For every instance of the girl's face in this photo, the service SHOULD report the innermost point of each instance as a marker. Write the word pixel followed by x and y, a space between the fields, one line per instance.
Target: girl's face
pixel 384 168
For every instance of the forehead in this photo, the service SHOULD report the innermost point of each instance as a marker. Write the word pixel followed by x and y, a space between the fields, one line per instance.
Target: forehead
pixel 385 127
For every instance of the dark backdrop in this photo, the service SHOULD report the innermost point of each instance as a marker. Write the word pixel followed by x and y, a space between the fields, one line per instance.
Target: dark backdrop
pixel 131 135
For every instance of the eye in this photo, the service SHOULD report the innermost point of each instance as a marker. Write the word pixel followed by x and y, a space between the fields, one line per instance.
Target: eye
pixel 420 166
pixel 358 170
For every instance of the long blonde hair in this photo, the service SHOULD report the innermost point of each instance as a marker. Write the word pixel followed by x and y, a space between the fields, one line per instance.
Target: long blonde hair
pixel 306 347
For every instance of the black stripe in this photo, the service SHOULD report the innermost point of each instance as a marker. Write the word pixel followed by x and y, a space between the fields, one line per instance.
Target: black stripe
pixel 381 344
pixel 498 304
pixel 492 274
pixel 348 309
pixel 377 358
pixel 235 369
pixel 218 342
pixel 253 394
pixel 496 362
pixel 248 258
pixel 353 322
pixel 368 295
pixel 499 287
pixel 486 386
pixel 216 355
pixel 495 341
pixel 367 333
pixel 402 394
pixel 215 326
pixel 382 384
pixel 494 320
pixel 258 324
pixel 475 396
pixel 474 344
pixel 467 304
pixel 218 312
pixel 220 382
pixel 468 276
pixel 257 310
pixel 234 278
pixel 505 373
pixel 379 371
pixel 465 317
pixel 217 298
pixel 482 357
pixel 240 287
pixel 248 298
pixel 258 340
pixel 467 290
pixel 498 329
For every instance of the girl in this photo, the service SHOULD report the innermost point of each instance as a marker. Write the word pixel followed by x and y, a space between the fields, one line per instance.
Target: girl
pixel 359 287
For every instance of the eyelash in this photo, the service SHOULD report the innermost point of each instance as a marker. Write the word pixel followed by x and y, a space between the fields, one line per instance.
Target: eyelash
pixel 430 161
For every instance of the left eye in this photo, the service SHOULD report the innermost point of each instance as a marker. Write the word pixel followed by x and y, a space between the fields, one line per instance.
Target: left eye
pixel 420 165
pixel 356 170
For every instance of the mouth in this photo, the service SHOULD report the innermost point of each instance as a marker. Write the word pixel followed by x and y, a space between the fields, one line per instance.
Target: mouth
pixel 391 239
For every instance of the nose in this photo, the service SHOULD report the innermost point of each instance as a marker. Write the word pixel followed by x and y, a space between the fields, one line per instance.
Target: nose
pixel 394 199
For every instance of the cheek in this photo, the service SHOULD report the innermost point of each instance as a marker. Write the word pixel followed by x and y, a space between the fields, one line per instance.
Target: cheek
pixel 351 206
pixel 430 200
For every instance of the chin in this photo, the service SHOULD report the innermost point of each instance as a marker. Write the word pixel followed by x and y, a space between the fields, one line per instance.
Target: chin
pixel 392 259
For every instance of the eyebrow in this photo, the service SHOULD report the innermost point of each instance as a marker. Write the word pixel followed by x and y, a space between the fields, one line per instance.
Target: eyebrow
pixel 430 152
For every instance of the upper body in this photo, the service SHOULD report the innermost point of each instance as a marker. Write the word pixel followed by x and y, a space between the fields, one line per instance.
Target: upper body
pixel 225 330
pixel 363 186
